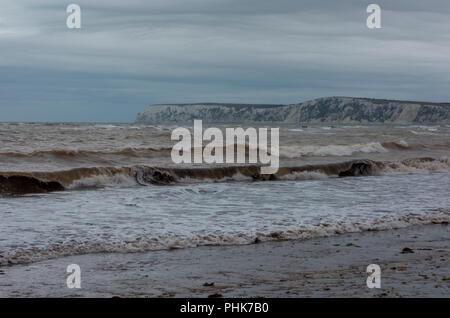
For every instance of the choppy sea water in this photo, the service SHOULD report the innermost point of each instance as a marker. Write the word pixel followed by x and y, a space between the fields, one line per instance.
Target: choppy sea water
pixel 113 198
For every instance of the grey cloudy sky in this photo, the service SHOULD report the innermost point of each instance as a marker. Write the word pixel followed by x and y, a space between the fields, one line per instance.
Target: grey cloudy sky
pixel 129 54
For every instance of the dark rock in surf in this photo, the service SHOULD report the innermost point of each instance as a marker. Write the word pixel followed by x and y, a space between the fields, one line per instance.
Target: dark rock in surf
pixel 407 250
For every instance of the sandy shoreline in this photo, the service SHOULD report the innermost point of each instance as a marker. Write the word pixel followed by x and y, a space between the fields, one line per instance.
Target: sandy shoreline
pixel 321 267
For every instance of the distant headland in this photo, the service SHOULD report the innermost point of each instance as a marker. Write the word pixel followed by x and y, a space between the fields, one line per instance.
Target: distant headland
pixel 321 110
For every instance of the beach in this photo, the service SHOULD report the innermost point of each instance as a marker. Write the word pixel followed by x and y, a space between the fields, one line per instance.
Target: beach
pixel 333 266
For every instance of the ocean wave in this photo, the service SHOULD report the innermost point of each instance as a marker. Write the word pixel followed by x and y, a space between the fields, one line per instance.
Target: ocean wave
pixel 304 175
pixel 420 165
pixel 70 153
pixel 102 180
pixel 35 182
pixel 94 155
pixel 341 150
pixel 289 151
pixel 168 242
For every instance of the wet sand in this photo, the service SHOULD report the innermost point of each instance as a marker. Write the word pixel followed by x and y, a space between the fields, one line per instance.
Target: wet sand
pixel 321 267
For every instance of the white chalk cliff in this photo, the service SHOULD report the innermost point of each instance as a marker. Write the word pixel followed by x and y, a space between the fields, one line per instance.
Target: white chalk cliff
pixel 326 110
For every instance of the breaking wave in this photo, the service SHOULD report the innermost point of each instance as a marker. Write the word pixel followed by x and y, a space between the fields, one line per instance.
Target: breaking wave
pixel 35 182
pixel 341 150
pixel 71 153
pixel 149 152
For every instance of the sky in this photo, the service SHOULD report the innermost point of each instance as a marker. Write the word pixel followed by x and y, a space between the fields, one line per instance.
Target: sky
pixel 130 54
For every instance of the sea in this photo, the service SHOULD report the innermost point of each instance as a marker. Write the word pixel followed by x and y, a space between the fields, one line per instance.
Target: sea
pixel 82 188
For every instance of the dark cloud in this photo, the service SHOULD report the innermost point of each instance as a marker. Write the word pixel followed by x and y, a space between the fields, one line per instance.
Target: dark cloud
pixel 132 53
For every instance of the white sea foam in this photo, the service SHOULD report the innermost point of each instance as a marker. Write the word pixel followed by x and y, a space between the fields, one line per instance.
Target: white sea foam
pixel 417 166
pixel 304 175
pixel 103 180
pixel 423 133
pixel 165 242
pixel 331 150
pixel 296 129
pixel 235 177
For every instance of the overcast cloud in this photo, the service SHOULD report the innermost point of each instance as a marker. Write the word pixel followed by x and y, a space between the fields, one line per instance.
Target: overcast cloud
pixel 129 54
